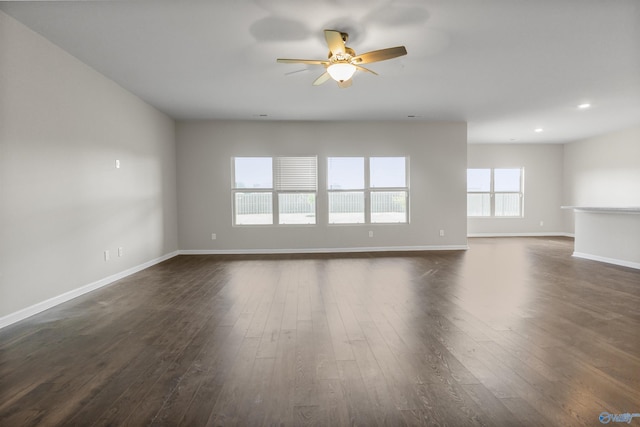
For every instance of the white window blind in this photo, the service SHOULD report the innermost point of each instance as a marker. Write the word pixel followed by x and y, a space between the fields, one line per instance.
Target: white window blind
pixel 295 173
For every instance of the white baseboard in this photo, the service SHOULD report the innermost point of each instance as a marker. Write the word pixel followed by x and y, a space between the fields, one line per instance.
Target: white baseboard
pixel 322 250
pixel 52 302
pixel 615 261
pixel 537 234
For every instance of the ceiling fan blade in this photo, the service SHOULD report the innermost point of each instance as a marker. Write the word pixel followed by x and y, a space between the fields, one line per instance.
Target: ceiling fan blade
pixel 334 41
pixel 365 69
pixel 303 61
pixel 345 83
pixel 296 71
pixel 379 55
pixel 323 78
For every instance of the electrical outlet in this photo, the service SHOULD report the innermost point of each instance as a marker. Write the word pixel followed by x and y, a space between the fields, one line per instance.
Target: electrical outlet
pixel 370 233
pixel 117 164
pixel 107 257
pixel 441 233
pixel 213 236
pixel 541 223
pixel 120 251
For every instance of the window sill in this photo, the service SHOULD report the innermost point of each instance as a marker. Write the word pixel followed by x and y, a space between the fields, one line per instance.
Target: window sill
pixel 495 217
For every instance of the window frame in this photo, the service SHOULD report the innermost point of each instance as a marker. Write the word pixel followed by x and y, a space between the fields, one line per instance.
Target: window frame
pixel 492 193
pixel 368 191
pixel 359 190
pixel 274 192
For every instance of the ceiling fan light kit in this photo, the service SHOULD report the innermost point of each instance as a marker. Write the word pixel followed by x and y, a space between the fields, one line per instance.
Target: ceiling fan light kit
pixel 341 71
pixel 343 61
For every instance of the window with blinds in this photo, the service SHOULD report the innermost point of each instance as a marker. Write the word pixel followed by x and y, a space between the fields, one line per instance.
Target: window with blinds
pixel 275 190
pixel 296 173
pixel 296 183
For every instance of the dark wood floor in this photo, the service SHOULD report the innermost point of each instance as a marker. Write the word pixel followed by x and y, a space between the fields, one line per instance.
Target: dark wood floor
pixel 511 332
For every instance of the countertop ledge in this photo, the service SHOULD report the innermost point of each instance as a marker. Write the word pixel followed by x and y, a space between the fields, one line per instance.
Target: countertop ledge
pixel 605 209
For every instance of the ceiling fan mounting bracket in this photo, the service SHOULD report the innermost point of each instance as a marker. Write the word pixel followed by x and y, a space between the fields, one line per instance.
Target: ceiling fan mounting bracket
pixel 342 57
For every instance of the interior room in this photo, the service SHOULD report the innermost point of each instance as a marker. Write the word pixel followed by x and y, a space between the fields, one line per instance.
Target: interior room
pixel 202 224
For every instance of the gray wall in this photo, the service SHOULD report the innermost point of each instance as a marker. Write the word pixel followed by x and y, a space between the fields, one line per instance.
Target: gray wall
pixel 542 187
pixel 62 202
pixel 602 171
pixel 438 157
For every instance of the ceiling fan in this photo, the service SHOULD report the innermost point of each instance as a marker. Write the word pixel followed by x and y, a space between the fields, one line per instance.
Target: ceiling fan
pixel 343 61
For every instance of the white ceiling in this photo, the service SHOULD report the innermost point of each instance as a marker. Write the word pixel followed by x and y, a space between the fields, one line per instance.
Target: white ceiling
pixel 504 66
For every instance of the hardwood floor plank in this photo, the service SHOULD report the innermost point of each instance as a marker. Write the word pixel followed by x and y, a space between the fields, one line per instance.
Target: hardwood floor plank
pixel 333 406
pixel 290 314
pixel 360 408
pixel 525 414
pixel 493 408
pixel 563 407
pixel 306 383
pixel 145 396
pixel 259 321
pixel 385 406
pixel 349 320
pixel 528 352
pixel 229 409
pixel 325 359
pixel 465 350
pixel 315 274
pixel 271 332
pixel 339 338
pixel 257 398
pixel 399 385
pixel 280 403
pixel 304 294
pixel 514 331
pixel 187 396
pixel 434 363
pixel 446 404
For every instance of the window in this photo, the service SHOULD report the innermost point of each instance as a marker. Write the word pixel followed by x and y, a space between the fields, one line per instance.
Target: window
pixel 296 185
pixel 495 192
pixel 389 192
pixel 367 190
pixel 479 192
pixel 279 190
pixel 346 190
pixel 253 194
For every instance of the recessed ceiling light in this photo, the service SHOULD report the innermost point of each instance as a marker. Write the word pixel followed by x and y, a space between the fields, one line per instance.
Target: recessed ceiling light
pixel 538 130
pixel 584 106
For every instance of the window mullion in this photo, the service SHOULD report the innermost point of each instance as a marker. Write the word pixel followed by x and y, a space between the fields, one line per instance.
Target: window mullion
pixel 367 190
pixel 274 194
pixel 492 194
pixel 275 203
pixel 521 193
